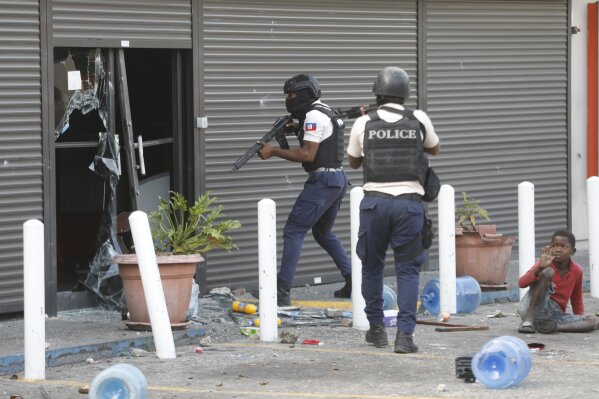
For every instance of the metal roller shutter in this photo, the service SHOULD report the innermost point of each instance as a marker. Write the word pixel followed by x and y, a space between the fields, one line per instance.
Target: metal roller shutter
pixel 20 141
pixel 143 23
pixel 496 81
pixel 248 50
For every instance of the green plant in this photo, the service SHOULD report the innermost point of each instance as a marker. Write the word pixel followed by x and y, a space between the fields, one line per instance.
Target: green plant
pixel 469 212
pixel 180 229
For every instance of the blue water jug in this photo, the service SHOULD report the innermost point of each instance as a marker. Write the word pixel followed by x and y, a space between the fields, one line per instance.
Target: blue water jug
pixel 121 381
pixel 468 295
pixel 389 298
pixel 502 362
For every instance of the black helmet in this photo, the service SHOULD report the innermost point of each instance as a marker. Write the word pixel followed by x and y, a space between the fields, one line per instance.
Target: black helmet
pixel 302 81
pixel 392 82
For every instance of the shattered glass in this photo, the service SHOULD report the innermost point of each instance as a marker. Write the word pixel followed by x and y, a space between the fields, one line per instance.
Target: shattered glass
pixel 103 278
pixel 84 98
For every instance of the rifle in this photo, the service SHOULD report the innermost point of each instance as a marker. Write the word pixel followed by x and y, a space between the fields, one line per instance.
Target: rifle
pixel 355 112
pixel 277 131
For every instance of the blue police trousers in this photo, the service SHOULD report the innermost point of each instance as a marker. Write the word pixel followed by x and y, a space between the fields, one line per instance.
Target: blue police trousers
pixel 397 223
pixel 315 208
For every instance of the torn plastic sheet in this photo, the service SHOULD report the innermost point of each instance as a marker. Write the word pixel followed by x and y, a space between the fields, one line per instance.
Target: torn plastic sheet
pixel 103 278
pixel 90 95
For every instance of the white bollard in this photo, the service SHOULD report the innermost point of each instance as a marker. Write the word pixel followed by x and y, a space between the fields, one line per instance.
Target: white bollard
pixel 267 264
pixel 526 229
pixel 593 212
pixel 447 257
pixel 152 285
pixel 359 320
pixel 34 300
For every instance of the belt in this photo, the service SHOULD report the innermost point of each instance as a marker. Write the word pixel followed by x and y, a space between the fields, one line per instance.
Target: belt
pixel 410 196
pixel 326 170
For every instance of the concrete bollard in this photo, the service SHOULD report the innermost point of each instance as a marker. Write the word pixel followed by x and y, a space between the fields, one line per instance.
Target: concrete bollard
pixel 359 321
pixel 526 229
pixel 34 300
pixel 447 257
pixel 152 284
pixel 267 264
pixel 593 214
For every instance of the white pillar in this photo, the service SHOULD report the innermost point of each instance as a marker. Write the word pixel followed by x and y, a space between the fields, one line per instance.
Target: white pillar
pixel 34 300
pixel 593 212
pixel 359 321
pixel 267 264
pixel 152 285
pixel 447 279
pixel 526 229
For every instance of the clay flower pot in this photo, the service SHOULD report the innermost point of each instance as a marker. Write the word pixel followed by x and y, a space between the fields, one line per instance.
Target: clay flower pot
pixel 176 274
pixel 483 255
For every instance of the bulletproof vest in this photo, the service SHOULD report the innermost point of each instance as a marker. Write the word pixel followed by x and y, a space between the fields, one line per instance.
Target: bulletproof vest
pixel 330 151
pixel 393 151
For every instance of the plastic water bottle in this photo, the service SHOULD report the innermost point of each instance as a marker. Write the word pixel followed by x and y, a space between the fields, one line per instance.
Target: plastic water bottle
pixel 389 298
pixel 121 381
pixel 502 362
pixel 468 295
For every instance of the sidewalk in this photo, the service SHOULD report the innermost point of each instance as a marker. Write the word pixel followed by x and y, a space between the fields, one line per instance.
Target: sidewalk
pixel 235 365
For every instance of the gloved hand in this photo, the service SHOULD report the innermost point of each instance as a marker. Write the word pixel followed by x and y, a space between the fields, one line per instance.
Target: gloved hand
pixel 291 129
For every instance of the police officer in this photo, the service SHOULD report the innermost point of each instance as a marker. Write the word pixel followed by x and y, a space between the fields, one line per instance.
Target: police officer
pixel 389 143
pixel 320 134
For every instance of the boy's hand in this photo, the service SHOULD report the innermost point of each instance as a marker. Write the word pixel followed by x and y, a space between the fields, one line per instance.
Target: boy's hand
pixel 546 258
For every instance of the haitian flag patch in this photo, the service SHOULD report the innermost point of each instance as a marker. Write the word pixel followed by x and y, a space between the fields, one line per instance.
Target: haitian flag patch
pixel 310 127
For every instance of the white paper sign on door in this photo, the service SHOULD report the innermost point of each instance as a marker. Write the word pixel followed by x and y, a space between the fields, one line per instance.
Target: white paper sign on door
pixel 74 80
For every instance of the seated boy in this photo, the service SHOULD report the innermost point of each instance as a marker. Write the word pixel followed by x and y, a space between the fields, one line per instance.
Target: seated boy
pixel 554 280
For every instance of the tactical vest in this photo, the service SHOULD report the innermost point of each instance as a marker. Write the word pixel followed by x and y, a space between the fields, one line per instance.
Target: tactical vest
pixel 330 151
pixel 393 151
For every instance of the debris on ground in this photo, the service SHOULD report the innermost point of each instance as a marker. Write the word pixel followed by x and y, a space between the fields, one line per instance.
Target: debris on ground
pixel 497 314
pixel 288 338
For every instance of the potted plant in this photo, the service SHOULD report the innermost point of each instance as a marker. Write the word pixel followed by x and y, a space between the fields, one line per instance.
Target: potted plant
pixel 480 252
pixel 181 233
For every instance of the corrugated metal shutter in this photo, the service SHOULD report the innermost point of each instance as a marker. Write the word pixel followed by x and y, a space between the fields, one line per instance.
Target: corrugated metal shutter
pixel 249 50
pixel 147 23
pixel 20 141
pixel 496 83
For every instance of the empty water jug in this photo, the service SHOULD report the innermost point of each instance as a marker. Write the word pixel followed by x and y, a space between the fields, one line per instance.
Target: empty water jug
pixel 502 362
pixel 121 381
pixel 468 295
pixel 389 298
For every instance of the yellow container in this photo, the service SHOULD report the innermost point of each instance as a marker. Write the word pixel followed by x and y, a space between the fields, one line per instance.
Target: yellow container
pixel 257 322
pixel 243 307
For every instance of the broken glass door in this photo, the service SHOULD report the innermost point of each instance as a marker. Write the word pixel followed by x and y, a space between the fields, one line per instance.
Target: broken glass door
pixel 118 122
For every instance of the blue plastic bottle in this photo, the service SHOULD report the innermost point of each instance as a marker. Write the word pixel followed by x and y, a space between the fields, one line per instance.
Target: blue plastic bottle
pixel 389 298
pixel 468 295
pixel 502 362
pixel 121 381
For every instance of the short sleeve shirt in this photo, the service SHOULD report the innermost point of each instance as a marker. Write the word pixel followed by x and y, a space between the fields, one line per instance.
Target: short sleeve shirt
pixel 355 148
pixel 317 126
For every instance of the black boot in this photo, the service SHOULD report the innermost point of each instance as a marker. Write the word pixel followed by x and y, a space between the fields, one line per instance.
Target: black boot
pixel 283 293
pixel 404 343
pixel 345 291
pixel 377 335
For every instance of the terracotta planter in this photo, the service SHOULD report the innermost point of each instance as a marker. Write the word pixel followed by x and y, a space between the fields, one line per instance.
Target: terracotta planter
pixel 483 256
pixel 176 273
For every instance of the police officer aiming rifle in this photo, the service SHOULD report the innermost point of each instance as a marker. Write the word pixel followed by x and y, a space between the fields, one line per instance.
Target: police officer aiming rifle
pixel 320 134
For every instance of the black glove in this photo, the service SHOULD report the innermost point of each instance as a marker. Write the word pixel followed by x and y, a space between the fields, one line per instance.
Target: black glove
pixel 291 129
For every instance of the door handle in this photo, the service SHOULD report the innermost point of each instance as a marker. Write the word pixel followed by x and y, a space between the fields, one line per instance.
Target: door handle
pixel 140 151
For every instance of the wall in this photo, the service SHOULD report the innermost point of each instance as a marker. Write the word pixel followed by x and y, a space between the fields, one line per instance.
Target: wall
pixel 578 124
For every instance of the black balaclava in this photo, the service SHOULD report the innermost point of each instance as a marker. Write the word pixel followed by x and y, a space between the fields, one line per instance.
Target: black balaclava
pixel 301 103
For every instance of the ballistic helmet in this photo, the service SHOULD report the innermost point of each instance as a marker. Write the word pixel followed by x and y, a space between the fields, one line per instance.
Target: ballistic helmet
pixel 392 82
pixel 302 81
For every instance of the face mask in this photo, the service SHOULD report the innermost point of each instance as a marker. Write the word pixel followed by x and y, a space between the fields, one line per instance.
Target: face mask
pixel 300 103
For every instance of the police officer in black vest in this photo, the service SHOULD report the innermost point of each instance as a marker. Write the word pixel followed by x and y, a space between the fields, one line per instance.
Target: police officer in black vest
pixel 389 143
pixel 320 134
